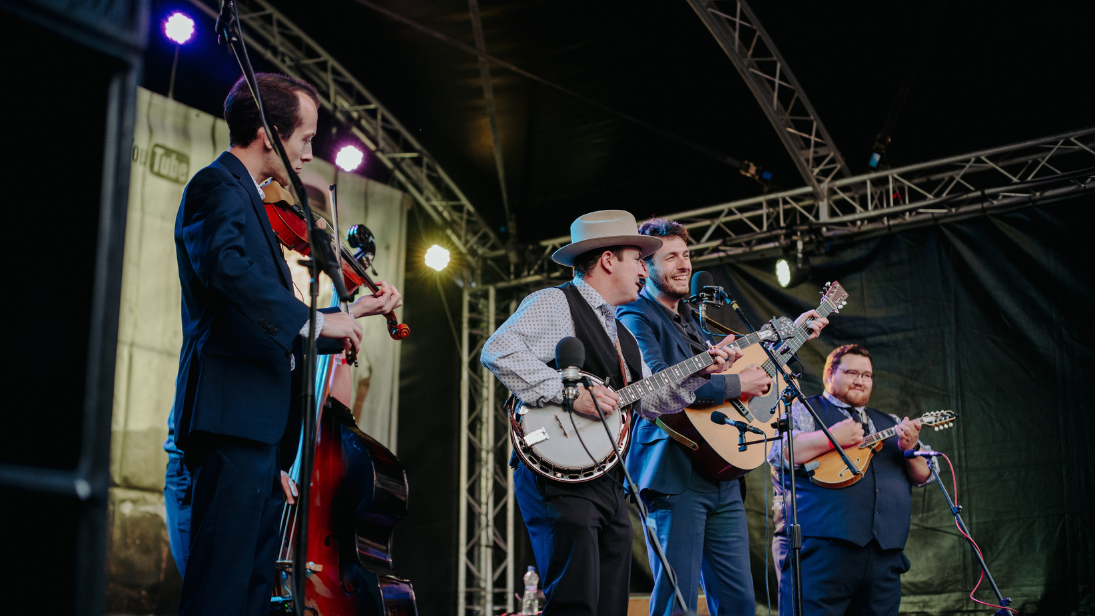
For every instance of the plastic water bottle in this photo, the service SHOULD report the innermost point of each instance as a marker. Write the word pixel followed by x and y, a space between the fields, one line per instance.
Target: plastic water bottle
pixel 530 603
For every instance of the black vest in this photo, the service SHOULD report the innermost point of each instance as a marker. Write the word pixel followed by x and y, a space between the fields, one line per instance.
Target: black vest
pixel 601 358
pixel 876 507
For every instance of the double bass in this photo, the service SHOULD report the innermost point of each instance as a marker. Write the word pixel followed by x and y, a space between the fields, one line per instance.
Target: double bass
pixel 358 489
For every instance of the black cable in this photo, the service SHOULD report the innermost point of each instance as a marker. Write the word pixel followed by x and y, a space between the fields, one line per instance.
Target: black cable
pixel 597 463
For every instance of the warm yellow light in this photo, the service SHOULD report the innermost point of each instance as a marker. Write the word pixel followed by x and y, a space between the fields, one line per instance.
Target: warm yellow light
pixel 437 257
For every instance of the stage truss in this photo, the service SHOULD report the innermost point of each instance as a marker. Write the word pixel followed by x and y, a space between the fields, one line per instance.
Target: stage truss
pixel 280 42
pixel 762 67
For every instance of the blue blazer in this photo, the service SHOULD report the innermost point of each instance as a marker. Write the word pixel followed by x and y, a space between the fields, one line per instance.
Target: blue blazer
pixel 655 461
pixel 240 318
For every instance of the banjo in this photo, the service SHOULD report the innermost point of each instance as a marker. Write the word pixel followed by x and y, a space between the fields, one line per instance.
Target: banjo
pixel 574 448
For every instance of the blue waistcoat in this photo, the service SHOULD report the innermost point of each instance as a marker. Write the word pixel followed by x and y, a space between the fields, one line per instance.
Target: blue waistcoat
pixel 876 507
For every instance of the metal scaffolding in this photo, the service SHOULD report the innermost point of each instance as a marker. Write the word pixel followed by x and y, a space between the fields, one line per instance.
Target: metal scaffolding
pixel 485 578
pixel 293 52
pixel 1026 173
pixel 764 70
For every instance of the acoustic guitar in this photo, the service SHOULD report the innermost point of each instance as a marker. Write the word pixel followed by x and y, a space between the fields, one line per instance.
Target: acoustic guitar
pixel 829 471
pixel 721 450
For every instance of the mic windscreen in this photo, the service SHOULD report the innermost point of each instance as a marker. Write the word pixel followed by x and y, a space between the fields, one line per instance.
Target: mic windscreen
pixel 701 280
pixel 719 417
pixel 910 454
pixel 570 352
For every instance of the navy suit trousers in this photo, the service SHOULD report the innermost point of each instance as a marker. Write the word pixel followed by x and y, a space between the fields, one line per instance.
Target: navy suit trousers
pixel 236 504
pixel 581 537
pixel 841 578
pixel 706 539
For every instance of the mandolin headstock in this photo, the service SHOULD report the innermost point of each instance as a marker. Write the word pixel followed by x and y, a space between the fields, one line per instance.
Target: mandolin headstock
pixel 939 420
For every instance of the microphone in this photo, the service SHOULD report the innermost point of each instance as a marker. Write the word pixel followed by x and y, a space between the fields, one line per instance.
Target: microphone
pixel 700 282
pixel 910 454
pixel 720 418
pixel 570 355
pixel 226 20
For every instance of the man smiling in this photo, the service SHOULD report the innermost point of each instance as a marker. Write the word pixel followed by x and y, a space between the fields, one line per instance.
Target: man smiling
pixel 700 521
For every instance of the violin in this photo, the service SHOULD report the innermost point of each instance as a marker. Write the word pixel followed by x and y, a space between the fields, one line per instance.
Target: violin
pixel 290 227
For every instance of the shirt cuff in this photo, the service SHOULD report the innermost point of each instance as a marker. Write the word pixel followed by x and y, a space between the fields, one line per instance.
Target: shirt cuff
pixel 319 326
pixel 733 387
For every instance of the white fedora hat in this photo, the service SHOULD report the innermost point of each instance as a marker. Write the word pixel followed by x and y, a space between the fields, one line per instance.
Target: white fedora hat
pixel 601 230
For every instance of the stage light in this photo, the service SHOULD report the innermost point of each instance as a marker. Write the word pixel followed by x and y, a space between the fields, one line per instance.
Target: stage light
pixel 179 28
pixel 349 158
pixel 783 272
pixel 437 257
pixel 794 270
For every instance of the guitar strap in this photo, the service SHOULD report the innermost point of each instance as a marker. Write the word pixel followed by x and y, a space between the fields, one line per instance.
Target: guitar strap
pixel 620 354
pixel 719 327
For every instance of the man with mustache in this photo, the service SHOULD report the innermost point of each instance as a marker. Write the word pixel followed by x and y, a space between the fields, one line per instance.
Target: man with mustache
pixel 853 537
pixel 701 521
pixel 581 532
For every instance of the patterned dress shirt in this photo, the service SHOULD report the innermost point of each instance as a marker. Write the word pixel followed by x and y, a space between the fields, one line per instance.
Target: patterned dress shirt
pixel 520 349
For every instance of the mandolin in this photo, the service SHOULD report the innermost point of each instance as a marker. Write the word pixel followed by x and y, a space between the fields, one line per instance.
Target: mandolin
pixel 829 470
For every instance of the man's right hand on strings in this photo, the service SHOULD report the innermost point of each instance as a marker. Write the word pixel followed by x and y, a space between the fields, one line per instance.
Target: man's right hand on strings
pixel 607 398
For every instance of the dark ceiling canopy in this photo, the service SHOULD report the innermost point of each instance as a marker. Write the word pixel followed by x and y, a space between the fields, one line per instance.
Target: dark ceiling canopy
pixel 622 89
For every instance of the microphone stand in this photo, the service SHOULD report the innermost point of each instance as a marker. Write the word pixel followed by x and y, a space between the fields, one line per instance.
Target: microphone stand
pixel 785 425
pixel 956 510
pixel 648 524
pixel 323 260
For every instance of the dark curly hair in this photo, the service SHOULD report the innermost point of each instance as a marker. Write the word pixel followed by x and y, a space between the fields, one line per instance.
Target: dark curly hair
pixel 279 95
pixel 660 227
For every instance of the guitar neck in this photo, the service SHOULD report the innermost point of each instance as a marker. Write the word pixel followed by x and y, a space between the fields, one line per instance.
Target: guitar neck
pixel 792 345
pixel 678 372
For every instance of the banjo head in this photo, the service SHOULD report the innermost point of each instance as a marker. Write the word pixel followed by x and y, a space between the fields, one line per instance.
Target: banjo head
pixel 568 447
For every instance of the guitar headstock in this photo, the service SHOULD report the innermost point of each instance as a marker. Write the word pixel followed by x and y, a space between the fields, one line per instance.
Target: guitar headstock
pixel 777 330
pixel 939 420
pixel 834 295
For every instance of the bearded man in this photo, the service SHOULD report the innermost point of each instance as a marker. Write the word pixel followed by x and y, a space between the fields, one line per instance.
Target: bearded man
pixel 700 520
pixel 853 537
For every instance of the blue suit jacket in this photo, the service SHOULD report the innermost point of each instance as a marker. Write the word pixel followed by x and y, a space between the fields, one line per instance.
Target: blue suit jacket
pixel 654 460
pixel 240 318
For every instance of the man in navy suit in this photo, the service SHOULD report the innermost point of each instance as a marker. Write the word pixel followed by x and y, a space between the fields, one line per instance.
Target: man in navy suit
pixel 700 521
pixel 234 417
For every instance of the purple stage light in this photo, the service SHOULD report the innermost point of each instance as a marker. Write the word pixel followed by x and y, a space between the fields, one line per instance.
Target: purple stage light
pixel 179 28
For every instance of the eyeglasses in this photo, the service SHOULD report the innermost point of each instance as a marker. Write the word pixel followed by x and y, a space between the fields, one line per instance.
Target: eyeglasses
pixel 856 374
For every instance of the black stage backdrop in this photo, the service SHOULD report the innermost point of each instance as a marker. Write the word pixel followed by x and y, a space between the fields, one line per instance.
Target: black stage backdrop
pixel 984 316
